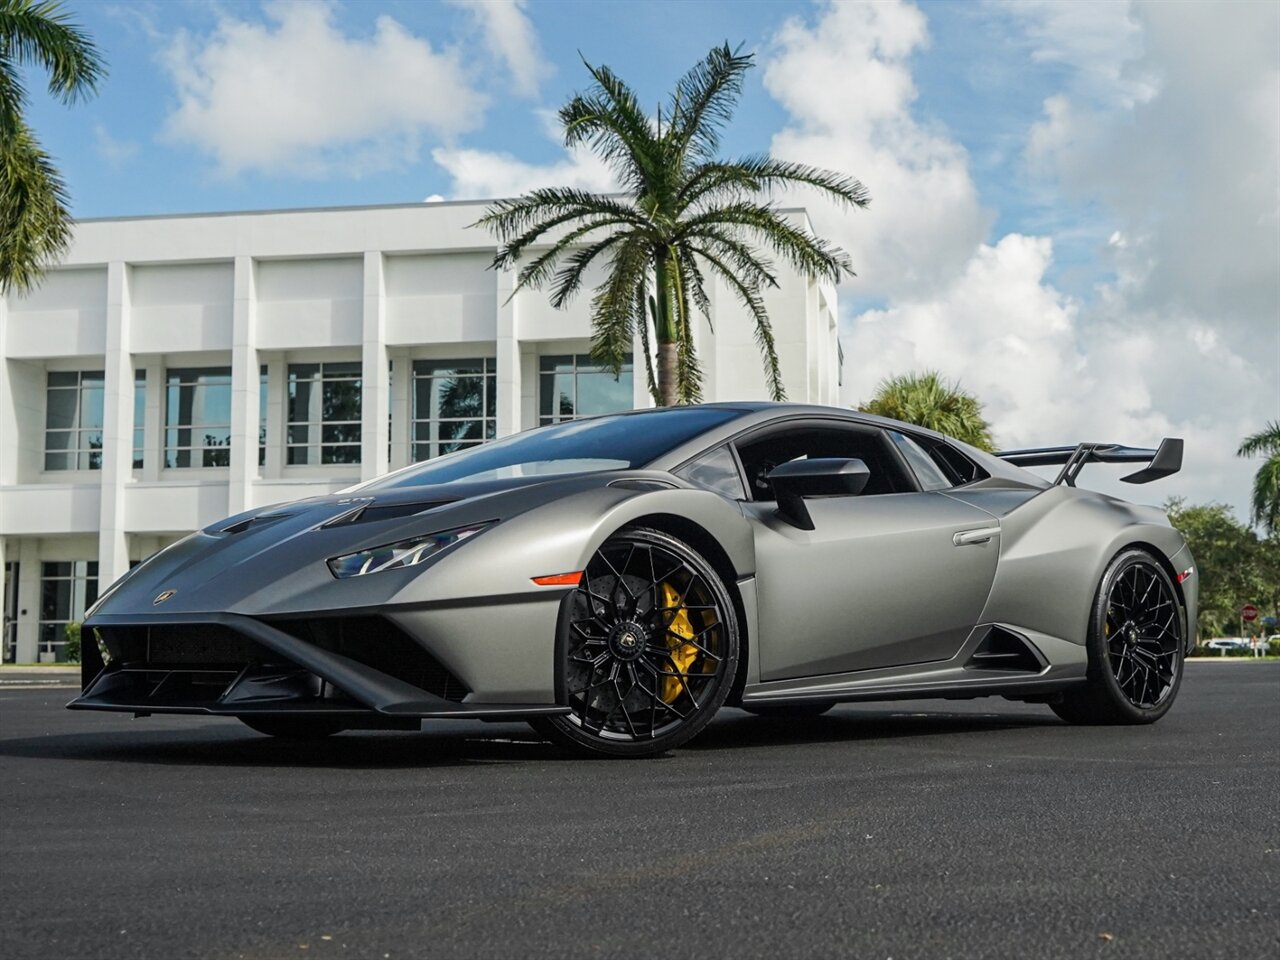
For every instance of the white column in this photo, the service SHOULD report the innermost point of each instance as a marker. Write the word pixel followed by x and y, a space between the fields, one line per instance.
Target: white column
pixel 117 430
pixel 401 409
pixel 28 557
pixel 153 435
pixel 509 377
pixel 375 402
pixel 244 388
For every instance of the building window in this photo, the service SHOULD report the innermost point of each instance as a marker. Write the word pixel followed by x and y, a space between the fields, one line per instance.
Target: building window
pixel 262 415
pixel 324 413
pixel 454 405
pixel 139 417
pixel 73 420
pixel 576 386
pixel 197 417
pixel 67 590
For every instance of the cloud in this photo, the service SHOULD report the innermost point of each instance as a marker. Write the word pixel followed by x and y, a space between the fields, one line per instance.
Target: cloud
pixel 115 153
pixel 1172 142
pixel 846 82
pixel 510 38
pixel 297 96
pixel 487 174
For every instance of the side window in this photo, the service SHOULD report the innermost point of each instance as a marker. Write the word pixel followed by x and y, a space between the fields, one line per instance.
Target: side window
pixel 958 468
pixel 716 471
pixel 784 443
pixel 926 471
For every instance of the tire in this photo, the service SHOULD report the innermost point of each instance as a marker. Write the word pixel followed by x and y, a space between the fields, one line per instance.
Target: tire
pixel 294 728
pixel 1136 647
pixel 792 711
pixel 651 650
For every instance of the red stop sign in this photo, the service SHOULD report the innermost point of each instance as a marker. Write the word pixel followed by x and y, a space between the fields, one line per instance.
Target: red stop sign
pixel 1248 613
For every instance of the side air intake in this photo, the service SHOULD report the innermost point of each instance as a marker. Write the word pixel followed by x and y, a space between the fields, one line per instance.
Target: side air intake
pixel 1003 649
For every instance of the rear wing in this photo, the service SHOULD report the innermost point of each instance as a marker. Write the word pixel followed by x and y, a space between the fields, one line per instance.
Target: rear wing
pixel 1164 461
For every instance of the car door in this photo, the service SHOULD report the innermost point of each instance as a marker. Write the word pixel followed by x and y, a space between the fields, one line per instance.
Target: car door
pixel 895 575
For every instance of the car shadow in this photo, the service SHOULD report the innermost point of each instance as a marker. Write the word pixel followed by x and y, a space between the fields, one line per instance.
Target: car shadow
pixel 439 746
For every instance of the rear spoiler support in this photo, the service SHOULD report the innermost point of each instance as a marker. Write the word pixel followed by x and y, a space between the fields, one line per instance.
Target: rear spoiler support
pixel 1164 461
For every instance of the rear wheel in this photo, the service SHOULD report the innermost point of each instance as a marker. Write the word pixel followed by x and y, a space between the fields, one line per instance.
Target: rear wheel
pixel 651 651
pixel 1136 647
pixel 793 711
pixel 294 728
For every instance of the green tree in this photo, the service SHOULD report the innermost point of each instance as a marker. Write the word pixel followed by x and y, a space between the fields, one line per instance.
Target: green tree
pixel 685 217
pixel 1266 482
pixel 1235 567
pixel 35 224
pixel 928 400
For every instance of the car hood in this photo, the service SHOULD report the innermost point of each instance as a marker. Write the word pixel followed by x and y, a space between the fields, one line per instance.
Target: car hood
pixel 273 559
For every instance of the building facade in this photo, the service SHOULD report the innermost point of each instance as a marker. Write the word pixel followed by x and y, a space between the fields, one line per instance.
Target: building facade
pixel 179 369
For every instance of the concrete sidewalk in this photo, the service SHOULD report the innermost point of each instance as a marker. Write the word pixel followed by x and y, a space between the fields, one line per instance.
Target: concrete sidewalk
pixel 40 675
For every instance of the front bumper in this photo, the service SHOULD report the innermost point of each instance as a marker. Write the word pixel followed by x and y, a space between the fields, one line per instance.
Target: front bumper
pixel 234 665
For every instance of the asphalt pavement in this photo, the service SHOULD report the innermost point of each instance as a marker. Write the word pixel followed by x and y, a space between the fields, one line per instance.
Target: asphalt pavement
pixel 922 829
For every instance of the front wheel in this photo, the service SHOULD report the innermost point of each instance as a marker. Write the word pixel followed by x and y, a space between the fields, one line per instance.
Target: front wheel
pixel 294 728
pixel 1136 647
pixel 651 652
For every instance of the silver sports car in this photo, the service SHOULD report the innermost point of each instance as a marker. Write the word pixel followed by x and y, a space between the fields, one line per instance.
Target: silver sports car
pixel 616 581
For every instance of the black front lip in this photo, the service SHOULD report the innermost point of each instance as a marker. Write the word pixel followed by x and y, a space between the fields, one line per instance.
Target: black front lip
pixel 374 690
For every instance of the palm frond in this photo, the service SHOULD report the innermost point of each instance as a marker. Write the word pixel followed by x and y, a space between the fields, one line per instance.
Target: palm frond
pixel 38 33
pixel 704 100
pixel 760 173
pixel 805 252
pixel 749 297
pixel 689 373
pixel 35 223
pixel 930 401
pixel 1266 442
pixel 613 309
pixel 568 280
pixel 539 270
pixel 642 301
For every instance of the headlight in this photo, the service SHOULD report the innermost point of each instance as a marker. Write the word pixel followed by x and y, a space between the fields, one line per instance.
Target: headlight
pixel 405 553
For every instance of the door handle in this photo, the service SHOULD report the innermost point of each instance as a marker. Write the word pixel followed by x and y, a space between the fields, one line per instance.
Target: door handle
pixel 973 537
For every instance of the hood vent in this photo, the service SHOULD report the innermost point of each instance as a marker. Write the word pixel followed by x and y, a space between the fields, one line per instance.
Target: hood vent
pixel 373 512
pixel 259 521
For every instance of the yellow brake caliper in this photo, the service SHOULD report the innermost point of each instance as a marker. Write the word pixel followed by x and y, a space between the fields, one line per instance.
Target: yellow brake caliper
pixel 682 654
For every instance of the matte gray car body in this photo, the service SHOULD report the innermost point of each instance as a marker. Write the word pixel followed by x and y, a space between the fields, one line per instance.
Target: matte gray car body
pixel 887 597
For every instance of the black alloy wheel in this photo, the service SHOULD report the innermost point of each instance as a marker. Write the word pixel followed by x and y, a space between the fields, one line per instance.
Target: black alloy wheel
pixel 652 648
pixel 1137 642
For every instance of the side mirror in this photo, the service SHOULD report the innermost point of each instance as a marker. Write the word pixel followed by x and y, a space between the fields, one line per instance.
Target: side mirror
pixel 794 481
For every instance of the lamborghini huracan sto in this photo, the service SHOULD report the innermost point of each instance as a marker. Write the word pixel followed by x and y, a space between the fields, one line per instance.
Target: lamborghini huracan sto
pixel 617 580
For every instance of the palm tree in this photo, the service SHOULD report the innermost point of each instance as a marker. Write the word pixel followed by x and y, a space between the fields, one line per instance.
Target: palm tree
pixel 927 400
pixel 1266 482
pixel 685 216
pixel 35 224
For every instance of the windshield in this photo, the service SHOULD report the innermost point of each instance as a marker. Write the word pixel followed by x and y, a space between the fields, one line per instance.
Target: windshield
pixel 579 446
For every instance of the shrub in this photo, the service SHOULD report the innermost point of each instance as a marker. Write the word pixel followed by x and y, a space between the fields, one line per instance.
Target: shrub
pixel 72 649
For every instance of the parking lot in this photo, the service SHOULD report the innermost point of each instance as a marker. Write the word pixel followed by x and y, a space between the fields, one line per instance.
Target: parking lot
pixel 921 829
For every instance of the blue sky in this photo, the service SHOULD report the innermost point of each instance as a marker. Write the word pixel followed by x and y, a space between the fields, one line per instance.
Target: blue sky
pixel 1076 206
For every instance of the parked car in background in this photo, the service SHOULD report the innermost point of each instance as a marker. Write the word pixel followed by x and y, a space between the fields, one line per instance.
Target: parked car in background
pixel 1228 643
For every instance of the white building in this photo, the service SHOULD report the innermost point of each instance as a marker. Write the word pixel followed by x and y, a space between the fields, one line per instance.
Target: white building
pixel 179 369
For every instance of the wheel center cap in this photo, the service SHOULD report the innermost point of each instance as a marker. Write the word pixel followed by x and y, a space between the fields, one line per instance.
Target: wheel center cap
pixel 626 642
pixel 1130 631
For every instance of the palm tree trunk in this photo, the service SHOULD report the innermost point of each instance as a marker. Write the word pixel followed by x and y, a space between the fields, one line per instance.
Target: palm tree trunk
pixel 668 375
pixel 665 334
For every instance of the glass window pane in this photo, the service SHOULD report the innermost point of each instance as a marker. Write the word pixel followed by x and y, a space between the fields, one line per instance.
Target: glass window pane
pixel 60 411
pixel 341 400
pixel 91 402
pixel 599 392
pixel 340 454
pixel 351 369
pixel 64 378
pixel 340 433
pixel 299 456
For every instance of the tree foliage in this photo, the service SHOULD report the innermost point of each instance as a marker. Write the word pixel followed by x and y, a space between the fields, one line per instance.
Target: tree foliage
pixel 928 400
pixel 35 224
pixel 1236 566
pixel 1266 482
pixel 686 219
